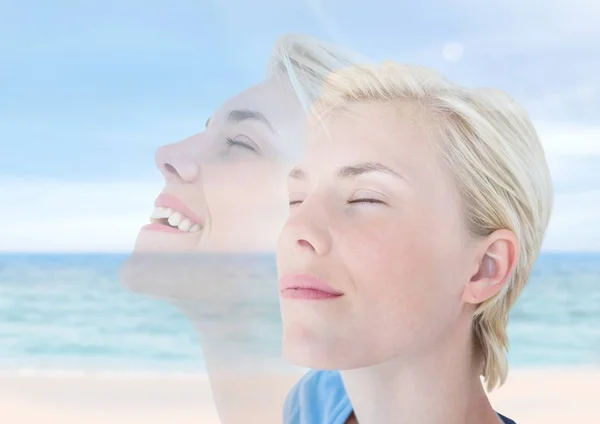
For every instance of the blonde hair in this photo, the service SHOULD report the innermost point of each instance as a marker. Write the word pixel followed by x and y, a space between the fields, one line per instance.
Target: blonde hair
pixel 495 157
pixel 307 63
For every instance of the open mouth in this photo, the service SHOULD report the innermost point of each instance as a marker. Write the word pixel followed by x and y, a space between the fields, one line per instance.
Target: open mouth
pixel 174 219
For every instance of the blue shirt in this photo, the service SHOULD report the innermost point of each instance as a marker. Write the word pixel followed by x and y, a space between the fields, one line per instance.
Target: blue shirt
pixel 320 398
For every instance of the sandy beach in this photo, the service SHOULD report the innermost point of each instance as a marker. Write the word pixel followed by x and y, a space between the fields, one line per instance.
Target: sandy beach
pixel 116 400
pixel 550 396
pixel 71 400
pixel 544 396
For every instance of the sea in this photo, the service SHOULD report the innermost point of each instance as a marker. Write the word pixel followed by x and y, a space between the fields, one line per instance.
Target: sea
pixel 67 314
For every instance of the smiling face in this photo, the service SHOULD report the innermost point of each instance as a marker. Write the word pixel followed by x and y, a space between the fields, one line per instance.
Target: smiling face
pixel 225 187
pixel 375 220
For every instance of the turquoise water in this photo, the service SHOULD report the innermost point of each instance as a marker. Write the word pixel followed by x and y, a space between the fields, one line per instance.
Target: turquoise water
pixel 69 312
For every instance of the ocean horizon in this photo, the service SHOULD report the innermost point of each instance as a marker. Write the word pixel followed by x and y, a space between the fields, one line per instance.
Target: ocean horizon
pixel 66 314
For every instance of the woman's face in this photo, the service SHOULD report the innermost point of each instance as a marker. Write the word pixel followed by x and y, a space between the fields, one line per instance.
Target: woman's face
pixel 375 227
pixel 225 187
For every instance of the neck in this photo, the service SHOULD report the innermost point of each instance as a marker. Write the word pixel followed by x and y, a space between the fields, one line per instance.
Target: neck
pixel 249 380
pixel 441 386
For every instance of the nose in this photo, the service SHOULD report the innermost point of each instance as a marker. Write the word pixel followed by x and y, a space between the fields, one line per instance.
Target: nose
pixel 178 161
pixel 307 230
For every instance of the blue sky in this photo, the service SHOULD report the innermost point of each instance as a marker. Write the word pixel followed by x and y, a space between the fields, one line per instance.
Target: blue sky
pixel 88 90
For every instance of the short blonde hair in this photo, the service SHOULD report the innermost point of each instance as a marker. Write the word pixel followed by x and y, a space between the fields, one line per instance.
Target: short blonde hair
pixel 492 151
pixel 307 63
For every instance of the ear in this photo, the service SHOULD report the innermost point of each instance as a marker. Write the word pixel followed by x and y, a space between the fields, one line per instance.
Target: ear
pixel 495 263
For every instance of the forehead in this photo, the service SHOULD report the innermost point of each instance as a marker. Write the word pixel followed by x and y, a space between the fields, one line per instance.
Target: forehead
pixel 277 102
pixel 398 131
pixel 273 98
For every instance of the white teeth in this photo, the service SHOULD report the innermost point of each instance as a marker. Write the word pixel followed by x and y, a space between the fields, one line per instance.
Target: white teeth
pixel 158 213
pixel 161 212
pixel 185 225
pixel 175 219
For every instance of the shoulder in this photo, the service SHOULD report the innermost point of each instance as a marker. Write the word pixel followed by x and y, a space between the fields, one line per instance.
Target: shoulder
pixel 319 397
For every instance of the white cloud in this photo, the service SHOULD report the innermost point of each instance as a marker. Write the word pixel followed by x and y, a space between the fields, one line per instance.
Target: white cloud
pixel 575 223
pixel 49 215
pixel 569 139
pixel 573 154
pixel 579 98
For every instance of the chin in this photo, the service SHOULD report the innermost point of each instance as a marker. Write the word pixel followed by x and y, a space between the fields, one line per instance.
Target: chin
pixel 150 242
pixel 302 356
pixel 316 352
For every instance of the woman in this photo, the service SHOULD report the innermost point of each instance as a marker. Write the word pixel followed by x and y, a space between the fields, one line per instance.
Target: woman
pixel 225 193
pixel 415 219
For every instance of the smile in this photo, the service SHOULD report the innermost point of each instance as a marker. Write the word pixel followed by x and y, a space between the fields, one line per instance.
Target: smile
pixel 172 215
pixel 174 219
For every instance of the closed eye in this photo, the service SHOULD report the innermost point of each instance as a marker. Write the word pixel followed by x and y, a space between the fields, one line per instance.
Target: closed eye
pixel 365 200
pixel 248 145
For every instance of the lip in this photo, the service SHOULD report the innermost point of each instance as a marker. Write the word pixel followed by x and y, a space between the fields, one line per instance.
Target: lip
pixel 307 287
pixel 170 201
pixel 161 227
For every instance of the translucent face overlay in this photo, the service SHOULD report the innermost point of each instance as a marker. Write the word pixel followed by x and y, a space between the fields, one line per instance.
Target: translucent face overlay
pixel 225 187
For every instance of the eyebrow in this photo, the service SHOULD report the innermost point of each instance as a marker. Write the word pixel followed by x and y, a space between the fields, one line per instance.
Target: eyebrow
pixel 352 171
pixel 240 115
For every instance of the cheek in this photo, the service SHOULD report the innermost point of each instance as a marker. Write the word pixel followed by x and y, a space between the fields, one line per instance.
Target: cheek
pixel 380 246
pixel 399 280
pixel 389 263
